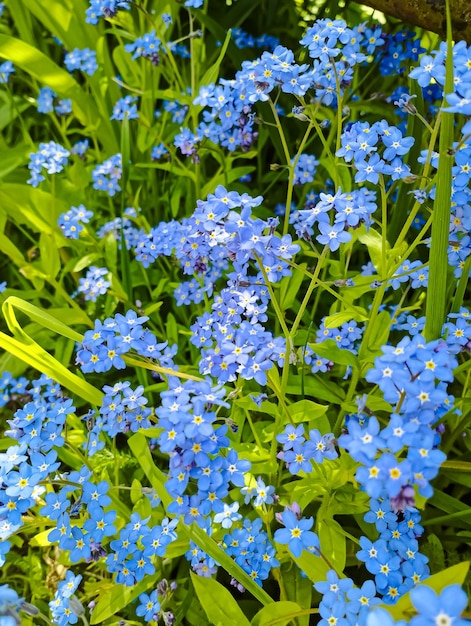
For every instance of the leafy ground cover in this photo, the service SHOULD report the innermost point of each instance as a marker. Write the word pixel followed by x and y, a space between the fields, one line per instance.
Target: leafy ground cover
pixel 235 332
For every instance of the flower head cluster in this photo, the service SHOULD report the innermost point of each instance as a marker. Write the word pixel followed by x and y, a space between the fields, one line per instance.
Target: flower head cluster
pixel 413 377
pixel 102 348
pixel 343 602
pixel 431 608
pixel 6 69
pixel 457 331
pixel 125 107
pixel 201 460
pixel 80 147
pixel 10 604
pixel 132 236
pixel 83 60
pixel 299 453
pixel 394 558
pixel 414 273
pixel 398 51
pixel 65 607
pixel 46 104
pixel 158 152
pixel 123 409
pixel 51 156
pixel 360 143
pixel 147 46
pixel 305 169
pixel 94 284
pixel 72 221
pixel 331 217
pixel 104 8
pixel 136 546
pixel 244 40
pixel 106 176
pixel 37 429
pixel 250 548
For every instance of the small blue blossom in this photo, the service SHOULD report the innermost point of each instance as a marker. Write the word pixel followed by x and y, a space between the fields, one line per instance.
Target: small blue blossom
pixel 296 533
pixel 6 69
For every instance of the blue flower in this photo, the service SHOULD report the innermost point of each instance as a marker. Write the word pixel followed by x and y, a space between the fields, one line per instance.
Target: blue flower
pixel 84 60
pixel 228 515
pixel 149 606
pixel 444 608
pixel 6 69
pixel 296 534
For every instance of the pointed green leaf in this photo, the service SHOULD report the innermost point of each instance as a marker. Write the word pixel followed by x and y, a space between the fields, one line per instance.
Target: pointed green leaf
pixel 219 605
pixel 278 613
pixel 114 598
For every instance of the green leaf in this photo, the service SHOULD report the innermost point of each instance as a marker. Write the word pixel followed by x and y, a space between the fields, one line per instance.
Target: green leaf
pixel 379 333
pixel 114 598
pixel 333 542
pixel 279 613
pixel 13 157
pixel 313 566
pixel 86 261
pixel 373 241
pixel 218 604
pixel 22 346
pixel 306 410
pixel 337 319
pixel 317 387
pixel 436 303
pixel 298 589
pixel 211 74
pixel 290 286
pixel 329 350
pixel 64 19
pixel 140 448
pixel 50 258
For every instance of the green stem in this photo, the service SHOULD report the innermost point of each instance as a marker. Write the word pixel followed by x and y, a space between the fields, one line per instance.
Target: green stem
pixel 254 432
pixel 384 225
pixel 310 289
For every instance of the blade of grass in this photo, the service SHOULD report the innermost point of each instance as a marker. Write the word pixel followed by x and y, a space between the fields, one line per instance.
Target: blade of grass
pixel 438 264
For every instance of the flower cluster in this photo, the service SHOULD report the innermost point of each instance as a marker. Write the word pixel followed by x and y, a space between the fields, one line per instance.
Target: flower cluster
pixel 147 46
pixel 343 602
pixel 83 60
pixel 431 607
pixel 46 104
pixel 6 70
pixel 360 143
pixel 333 215
pixel 65 607
pixel 104 8
pixel 36 428
pixel 125 107
pixel 71 222
pixel 250 548
pixel 200 453
pixel 51 156
pixel 102 348
pixel 94 284
pixel 298 453
pixel 106 176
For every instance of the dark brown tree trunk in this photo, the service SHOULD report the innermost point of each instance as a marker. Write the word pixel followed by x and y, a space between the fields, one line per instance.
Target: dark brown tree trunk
pixel 429 14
